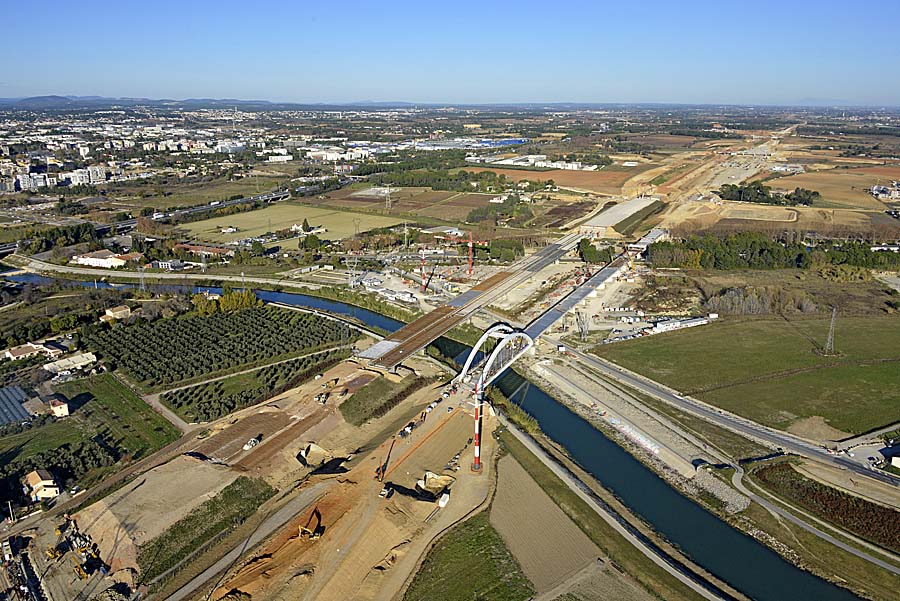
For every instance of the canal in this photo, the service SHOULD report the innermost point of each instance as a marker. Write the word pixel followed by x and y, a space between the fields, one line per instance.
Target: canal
pixel 736 558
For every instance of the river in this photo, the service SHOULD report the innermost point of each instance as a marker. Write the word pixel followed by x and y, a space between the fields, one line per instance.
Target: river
pixel 736 558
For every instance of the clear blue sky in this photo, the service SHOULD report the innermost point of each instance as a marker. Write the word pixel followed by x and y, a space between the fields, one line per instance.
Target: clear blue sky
pixel 692 51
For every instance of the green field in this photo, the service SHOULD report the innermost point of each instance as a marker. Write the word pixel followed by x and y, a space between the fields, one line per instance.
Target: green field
pixel 470 562
pixel 377 398
pixel 107 422
pixel 232 505
pixel 282 216
pixel 770 370
pixel 182 195
pixel 124 420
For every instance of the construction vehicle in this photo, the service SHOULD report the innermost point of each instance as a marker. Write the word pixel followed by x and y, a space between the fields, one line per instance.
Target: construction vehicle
pixel 79 570
pixel 313 533
pixel 57 550
pixel 382 469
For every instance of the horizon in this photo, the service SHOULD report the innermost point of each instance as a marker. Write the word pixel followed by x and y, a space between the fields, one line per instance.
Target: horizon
pixel 800 53
pixel 806 104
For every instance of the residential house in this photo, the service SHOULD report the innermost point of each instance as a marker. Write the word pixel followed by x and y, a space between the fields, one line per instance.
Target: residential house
pixel 42 485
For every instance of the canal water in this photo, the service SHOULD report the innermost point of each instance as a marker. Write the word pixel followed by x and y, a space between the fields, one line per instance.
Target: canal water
pixel 736 558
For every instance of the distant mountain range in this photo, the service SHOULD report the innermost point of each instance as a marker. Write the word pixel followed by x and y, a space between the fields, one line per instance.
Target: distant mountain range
pixel 54 102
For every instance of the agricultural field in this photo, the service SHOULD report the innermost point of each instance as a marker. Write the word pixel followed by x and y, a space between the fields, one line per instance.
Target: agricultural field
pixel 190 347
pixel 281 216
pixel 162 196
pixel 107 423
pixel 608 180
pixel 691 217
pixel 557 536
pixel 407 202
pixel 771 370
pixel 378 397
pixel 123 420
pixel 873 522
pixel 470 562
pixel 841 188
pixel 231 505
pixel 633 569
pixel 212 400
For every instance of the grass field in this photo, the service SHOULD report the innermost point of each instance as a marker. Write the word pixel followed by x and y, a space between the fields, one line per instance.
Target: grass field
pixel 230 506
pixel 192 194
pixel 124 420
pixel 377 398
pixel 769 370
pixel 100 405
pixel 608 180
pixel 840 188
pixel 475 550
pixel 282 216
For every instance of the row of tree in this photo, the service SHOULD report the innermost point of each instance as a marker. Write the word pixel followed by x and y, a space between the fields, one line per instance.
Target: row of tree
pixel 752 250
pixel 760 193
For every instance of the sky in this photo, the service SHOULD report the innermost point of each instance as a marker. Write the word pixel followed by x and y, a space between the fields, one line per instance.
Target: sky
pixel 307 51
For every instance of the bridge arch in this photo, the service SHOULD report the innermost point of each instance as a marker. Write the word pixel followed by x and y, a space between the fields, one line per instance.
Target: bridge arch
pixel 513 344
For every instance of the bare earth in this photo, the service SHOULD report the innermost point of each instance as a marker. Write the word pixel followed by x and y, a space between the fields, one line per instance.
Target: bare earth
pixel 548 545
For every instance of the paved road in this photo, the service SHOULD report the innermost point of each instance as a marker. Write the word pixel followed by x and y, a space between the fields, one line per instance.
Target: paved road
pixel 606 514
pixel 745 427
pixel 736 480
pixel 44 268
pixel 270 525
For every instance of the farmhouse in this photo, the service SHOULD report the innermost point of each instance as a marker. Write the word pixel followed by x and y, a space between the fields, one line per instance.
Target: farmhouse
pixel 106 259
pixel 42 485
pixel 59 408
pixel 50 348
pixel 69 364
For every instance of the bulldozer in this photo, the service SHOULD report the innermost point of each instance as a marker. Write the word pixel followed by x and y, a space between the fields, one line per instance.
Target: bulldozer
pixel 313 533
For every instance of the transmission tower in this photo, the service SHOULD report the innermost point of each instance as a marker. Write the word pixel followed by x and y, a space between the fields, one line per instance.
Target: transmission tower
pixel 387 200
pixel 356 222
pixel 584 323
pixel 203 262
pixel 143 285
pixel 829 344
pixel 351 272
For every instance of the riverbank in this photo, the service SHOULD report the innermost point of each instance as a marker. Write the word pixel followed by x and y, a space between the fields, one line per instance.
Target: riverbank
pixel 605 466
pixel 710 487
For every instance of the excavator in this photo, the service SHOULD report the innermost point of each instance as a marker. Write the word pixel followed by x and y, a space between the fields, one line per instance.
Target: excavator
pixel 313 533
pixel 382 469
pixel 55 551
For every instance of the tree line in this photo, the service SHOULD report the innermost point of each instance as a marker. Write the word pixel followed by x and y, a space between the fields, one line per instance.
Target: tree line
pixel 753 250
pixel 760 193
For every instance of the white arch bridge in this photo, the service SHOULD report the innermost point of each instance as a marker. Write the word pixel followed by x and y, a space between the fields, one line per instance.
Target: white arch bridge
pixel 482 368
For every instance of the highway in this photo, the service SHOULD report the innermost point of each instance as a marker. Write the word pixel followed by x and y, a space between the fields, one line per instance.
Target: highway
pixel 129 224
pixel 776 438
